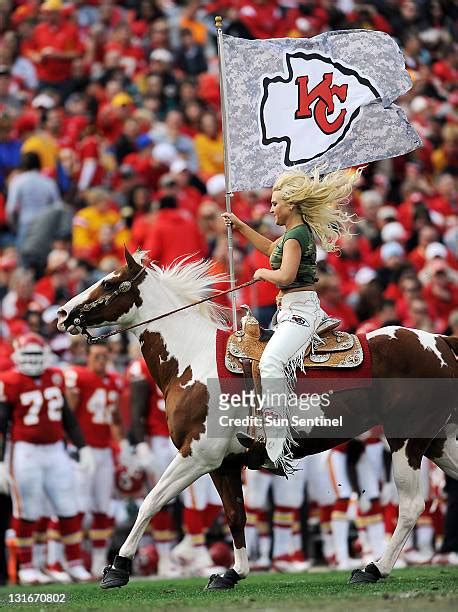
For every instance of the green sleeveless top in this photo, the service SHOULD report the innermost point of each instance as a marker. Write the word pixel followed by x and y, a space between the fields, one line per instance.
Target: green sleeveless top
pixel 306 273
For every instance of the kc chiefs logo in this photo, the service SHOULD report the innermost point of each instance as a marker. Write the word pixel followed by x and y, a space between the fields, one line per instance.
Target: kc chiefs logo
pixel 324 94
pixel 313 108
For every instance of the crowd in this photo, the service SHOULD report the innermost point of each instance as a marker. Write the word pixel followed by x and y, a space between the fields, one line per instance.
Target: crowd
pixel 110 134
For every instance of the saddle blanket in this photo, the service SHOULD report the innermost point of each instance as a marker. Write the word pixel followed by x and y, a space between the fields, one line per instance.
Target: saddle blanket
pixel 314 380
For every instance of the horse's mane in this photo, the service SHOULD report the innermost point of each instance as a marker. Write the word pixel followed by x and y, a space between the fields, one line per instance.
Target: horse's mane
pixel 190 281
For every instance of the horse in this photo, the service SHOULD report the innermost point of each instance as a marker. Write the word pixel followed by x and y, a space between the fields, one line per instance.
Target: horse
pixel 180 353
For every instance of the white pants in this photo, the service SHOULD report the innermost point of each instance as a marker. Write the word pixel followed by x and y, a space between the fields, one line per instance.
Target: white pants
pixel 319 485
pixel 164 453
pixel 297 321
pixel 288 493
pixel 95 491
pixel 39 472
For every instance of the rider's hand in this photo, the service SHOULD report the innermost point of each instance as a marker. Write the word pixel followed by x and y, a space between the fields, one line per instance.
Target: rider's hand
pixel 231 219
pixel 259 274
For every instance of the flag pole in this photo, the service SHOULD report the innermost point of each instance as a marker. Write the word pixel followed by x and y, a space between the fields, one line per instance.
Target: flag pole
pixel 227 174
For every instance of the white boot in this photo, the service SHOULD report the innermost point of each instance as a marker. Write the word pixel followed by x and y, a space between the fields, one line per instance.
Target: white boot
pixel 31 576
pixel 57 574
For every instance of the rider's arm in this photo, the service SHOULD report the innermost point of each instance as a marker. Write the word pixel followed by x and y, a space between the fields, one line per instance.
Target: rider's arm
pixel 260 242
pixel 139 396
pixel 289 266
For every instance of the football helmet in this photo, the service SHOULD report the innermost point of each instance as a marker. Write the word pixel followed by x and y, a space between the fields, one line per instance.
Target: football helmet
pixel 129 483
pixel 31 354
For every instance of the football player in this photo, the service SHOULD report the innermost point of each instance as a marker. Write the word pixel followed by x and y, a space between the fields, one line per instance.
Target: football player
pixel 32 400
pixel 93 395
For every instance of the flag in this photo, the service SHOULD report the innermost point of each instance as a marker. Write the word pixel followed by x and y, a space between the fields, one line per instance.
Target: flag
pixel 298 103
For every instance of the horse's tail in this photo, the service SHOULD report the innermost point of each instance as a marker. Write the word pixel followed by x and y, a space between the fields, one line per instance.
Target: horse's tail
pixel 452 341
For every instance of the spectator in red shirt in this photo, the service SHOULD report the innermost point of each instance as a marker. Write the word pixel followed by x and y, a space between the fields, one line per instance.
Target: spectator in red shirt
pixel 173 233
pixel 418 316
pixel 106 247
pixel 148 169
pixel 211 225
pixel 333 303
pixel 385 315
pixel 54 44
pixel 427 235
pixel 440 291
pixel 371 203
pixel 132 56
pixel 354 251
pixel 20 295
pixel 189 197
pixel 53 286
pixel 445 198
pixel 261 18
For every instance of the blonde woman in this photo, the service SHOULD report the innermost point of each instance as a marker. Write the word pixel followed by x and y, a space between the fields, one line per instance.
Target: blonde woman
pixel 310 208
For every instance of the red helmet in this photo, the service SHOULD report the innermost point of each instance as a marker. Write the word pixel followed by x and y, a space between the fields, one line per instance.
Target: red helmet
pixel 31 354
pixel 145 560
pixel 221 554
pixel 129 483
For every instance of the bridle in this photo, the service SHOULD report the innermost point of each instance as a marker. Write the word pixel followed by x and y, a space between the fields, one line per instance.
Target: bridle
pixel 104 300
pixel 125 287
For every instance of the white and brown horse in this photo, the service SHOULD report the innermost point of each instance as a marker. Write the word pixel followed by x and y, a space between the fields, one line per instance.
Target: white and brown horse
pixel 180 353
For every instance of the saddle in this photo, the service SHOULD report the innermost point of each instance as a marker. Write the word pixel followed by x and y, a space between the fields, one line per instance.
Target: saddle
pixel 329 348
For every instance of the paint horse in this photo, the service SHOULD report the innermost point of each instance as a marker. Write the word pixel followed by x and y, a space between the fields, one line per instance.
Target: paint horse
pixel 180 353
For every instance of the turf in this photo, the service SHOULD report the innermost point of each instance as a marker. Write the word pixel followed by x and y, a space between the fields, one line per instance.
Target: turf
pixel 418 589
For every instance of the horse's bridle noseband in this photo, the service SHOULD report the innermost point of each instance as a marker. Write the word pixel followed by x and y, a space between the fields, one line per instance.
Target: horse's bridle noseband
pixel 104 300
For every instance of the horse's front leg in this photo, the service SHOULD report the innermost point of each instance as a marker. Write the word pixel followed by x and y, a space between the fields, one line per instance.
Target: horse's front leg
pixel 182 472
pixel 228 482
pixel 411 505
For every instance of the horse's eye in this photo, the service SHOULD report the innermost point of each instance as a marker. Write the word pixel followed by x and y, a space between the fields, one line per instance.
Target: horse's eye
pixel 107 285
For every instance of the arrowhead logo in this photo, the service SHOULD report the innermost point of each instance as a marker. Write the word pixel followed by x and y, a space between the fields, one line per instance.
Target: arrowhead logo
pixel 314 107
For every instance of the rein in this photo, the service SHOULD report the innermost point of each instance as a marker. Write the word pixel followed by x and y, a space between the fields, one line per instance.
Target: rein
pixel 126 286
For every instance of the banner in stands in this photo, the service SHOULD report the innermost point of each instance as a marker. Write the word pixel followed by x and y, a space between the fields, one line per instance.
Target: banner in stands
pixel 298 103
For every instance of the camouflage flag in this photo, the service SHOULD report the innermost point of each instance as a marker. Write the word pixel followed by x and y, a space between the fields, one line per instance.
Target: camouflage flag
pixel 297 103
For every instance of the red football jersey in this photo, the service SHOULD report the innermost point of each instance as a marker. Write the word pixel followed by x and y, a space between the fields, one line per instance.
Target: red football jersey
pixel 98 397
pixel 156 422
pixel 37 405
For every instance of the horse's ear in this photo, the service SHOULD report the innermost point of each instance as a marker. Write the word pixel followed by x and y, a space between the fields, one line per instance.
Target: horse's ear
pixel 130 261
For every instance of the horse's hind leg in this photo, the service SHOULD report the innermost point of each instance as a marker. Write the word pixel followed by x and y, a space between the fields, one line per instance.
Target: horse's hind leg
pixel 444 453
pixel 406 470
pixel 182 472
pixel 228 481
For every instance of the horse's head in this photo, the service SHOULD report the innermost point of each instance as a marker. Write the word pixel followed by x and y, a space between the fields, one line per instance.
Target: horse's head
pixel 110 300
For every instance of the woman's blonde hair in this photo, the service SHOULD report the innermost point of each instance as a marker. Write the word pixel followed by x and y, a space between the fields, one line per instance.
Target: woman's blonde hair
pixel 319 200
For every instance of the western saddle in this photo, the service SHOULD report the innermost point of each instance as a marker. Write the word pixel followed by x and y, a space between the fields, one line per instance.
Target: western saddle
pixel 329 348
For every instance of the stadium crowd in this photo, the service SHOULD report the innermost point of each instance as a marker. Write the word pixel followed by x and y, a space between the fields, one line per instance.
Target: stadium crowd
pixel 110 134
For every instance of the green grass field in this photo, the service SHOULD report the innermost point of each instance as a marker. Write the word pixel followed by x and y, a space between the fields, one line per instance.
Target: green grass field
pixel 418 589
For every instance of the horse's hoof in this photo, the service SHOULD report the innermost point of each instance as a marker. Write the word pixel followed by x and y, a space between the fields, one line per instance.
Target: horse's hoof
pixel 221 582
pixel 117 574
pixel 369 574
